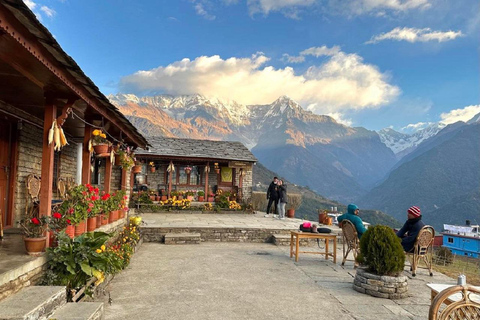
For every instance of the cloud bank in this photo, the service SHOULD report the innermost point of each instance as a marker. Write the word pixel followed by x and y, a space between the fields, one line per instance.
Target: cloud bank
pixel 313 51
pixel 463 114
pixel 289 8
pixel 379 7
pixel 343 82
pixel 416 35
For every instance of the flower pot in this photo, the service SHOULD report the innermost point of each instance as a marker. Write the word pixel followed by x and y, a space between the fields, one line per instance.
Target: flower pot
pixel 99 221
pixel 152 169
pixel 118 160
pixel 100 148
pixel 137 169
pixel 91 224
pixel 190 198
pixel 201 198
pixel 121 214
pixel 80 228
pixel 104 219
pixel 164 198
pixel 152 198
pixel 291 213
pixel 217 171
pixel 70 231
pixel 113 216
pixel 35 246
pixel 187 171
pixel 210 199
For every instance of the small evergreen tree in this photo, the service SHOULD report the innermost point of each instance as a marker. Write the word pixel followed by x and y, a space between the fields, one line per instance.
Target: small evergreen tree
pixel 381 251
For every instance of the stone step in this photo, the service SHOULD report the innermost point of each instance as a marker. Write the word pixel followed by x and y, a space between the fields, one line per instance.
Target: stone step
pixel 182 238
pixel 33 302
pixel 281 239
pixel 79 311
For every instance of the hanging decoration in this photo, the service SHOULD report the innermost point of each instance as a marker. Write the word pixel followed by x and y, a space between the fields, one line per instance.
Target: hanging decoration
pixel 112 156
pixel 57 136
pixel 171 168
pixel 207 169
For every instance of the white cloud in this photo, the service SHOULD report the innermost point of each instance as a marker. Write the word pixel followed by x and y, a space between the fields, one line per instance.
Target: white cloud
pixel 379 7
pixel 200 10
pixel 30 4
pixel 313 51
pixel 416 35
pixel 339 117
pixel 287 7
pixel 464 114
pixel 342 82
pixel 414 127
pixel 49 12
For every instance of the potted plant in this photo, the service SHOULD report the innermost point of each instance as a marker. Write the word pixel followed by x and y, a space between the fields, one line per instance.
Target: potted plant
pixel 211 197
pixel 188 169
pixel 382 259
pixel 201 196
pixel 137 168
pixel 189 194
pixel 34 229
pixel 100 142
pixel 180 195
pixel 125 159
pixel 216 167
pixel 151 164
pixel 294 201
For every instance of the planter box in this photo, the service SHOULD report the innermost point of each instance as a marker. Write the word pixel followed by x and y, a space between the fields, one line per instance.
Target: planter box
pixel 380 286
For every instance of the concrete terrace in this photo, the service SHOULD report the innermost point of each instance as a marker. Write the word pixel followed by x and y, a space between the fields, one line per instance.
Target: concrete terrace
pixel 225 280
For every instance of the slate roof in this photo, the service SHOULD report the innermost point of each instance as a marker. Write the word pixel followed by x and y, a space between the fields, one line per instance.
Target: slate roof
pixel 191 148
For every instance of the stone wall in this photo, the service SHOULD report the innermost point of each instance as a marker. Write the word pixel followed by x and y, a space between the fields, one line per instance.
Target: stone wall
pixel 380 286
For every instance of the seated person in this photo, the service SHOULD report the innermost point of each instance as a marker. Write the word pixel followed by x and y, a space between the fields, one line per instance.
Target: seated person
pixel 411 228
pixel 352 216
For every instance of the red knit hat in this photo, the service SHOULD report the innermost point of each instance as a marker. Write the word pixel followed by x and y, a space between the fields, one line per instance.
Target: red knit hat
pixel 414 211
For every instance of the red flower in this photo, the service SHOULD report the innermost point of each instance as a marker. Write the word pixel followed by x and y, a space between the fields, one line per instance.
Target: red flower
pixel 35 221
pixel 94 198
pixel 57 215
pixel 96 190
pixel 84 193
pixel 68 221
pixel 89 210
pixel 125 197
pixel 105 197
pixel 90 205
pixel 88 185
pixel 71 210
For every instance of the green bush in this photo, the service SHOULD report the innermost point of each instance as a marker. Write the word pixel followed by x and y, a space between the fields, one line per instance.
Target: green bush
pixel 381 251
pixel 444 256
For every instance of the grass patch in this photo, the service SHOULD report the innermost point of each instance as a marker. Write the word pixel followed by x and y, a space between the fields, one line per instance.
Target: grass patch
pixel 470 267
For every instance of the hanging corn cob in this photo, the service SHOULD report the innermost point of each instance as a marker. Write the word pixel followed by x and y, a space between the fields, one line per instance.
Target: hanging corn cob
pixel 56 138
pixel 90 146
pixel 63 139
pixel 51 132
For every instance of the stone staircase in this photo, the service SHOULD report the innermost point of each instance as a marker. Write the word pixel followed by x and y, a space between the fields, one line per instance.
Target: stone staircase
pixel 45 303
pixel 182 238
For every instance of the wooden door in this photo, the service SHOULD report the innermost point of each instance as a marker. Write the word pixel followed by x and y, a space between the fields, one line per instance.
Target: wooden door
pixel 5 156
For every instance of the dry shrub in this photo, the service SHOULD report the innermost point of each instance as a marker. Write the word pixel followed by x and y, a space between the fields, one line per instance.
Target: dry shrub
pixel 294 200
pixel 259 200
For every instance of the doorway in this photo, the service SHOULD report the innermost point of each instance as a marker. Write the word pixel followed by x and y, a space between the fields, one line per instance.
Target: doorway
pixel 6 157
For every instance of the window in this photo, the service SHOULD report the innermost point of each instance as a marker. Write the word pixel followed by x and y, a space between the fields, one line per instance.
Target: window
pixel 194 178
pixel 450 240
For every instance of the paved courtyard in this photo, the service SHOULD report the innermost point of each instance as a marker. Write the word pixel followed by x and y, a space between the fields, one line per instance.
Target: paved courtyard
pixel 249 281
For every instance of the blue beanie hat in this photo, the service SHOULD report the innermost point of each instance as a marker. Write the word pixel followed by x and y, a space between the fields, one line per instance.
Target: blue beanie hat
pixel 351 208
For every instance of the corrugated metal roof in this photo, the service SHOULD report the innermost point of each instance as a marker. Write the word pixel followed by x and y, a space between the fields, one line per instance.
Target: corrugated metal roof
pixel 191 148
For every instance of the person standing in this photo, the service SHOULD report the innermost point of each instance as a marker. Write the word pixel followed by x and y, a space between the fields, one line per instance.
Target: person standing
pixel 282 199
pixel 272 196
pixel 352 216
pixel 411 228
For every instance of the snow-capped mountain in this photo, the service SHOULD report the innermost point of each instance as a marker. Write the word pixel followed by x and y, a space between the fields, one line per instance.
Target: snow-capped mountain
pixel 402 144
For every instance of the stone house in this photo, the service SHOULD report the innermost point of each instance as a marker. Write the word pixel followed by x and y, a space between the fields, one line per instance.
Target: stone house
pixel 174 164
pixel 41 84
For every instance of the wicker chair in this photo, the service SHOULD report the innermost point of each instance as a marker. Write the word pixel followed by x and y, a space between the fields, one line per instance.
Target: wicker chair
pixel 444 308
pixel 32 184
pixel 423 248
pixel 350 240
pixel 62 188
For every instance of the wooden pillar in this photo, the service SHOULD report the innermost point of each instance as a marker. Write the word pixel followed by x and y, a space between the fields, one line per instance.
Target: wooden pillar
pixel 124 179
pixel 240 184
pixel 47 162
pixel 170 179
pixel 206 181
pixel 108 175
pixel 86 154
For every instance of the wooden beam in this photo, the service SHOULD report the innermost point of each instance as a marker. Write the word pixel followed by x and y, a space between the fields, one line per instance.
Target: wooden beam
pixel 206 181
pixel 108 175
pixel 170 180
pixel 47 162
pixel 124 179
pixel 86 154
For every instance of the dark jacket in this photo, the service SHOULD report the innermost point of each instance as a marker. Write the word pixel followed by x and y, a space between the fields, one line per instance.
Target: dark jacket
pixel 272 191
pixel 409 232
pixel 282 194
pixel 356 220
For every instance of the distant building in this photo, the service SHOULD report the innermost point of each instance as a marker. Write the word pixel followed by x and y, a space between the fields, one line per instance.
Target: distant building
pixel 462 240
pixel 174 164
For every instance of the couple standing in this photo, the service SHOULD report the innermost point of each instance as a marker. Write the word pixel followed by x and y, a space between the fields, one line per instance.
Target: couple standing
pixel 277 194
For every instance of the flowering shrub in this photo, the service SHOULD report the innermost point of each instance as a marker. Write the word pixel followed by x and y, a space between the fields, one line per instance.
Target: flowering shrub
pixel 82 201
pixel 208 207
pixel 34 227
pixel 127 158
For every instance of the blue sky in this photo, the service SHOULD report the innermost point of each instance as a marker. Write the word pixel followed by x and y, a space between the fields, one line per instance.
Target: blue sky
pixel 371 63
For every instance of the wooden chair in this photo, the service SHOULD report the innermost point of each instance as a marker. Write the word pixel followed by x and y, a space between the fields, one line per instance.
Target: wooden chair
pixel 350 240
pixel 62 188
pixel 423 248
pixel 32 184
pixel 445 307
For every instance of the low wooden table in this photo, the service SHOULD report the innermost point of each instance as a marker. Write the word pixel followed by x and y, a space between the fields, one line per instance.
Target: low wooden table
pixel 438 287
pixel 297 235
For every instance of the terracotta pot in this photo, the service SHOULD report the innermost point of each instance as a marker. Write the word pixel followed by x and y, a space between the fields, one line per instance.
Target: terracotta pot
pixel 117 160
pixel 121 214
pixel 70 231
pixel 100 148
pixel 164 198
pixel 201 198
pixel 91 224
pixel 190 198
pixel 104 219
pixel 217 171
pixel 211 199
pixel 137 169
pixel 158 198
pixel 291 213
pixel 152 169
pixel 152 198
pixel 99 221
pixel 113 216
pixel 35 246
pixel 80 229
pixel 187 171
